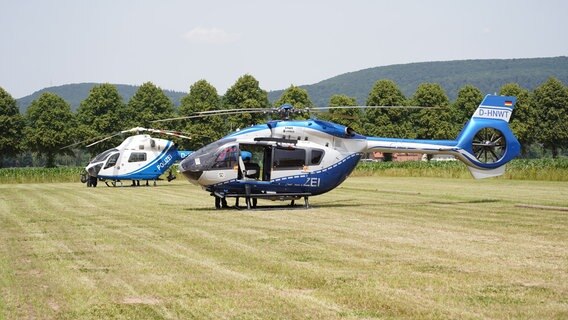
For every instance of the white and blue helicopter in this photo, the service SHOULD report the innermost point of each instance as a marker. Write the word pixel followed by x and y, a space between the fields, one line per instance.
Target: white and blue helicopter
pixel 138 157
pixel 294 159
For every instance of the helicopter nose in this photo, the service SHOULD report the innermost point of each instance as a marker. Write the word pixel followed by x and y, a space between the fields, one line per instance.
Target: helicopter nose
pixel 192 175
pixel 93 170
pixel 192 168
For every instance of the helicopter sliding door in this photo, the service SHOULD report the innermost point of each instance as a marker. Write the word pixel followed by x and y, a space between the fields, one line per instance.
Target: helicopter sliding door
pixel 268 162
pixel 287 161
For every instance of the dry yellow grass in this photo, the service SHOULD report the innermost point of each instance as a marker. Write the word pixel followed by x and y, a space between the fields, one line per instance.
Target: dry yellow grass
pixel 373 248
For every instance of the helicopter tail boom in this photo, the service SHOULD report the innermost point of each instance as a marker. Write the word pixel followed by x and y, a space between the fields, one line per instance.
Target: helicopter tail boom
pixel 485 144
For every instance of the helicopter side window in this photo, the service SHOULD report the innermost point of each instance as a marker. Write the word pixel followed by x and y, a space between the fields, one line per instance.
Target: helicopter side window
pixel 288 158
pixel 226 158
pixel 316 156
pixel 137 157
pixel 112 160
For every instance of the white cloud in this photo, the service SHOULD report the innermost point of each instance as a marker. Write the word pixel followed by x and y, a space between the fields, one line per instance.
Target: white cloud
pixel 211 35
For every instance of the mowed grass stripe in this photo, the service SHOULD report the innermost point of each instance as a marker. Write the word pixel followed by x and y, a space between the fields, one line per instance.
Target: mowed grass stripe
pixel 205 239
pixel 56 250
pixel 138 219
pixel 417 248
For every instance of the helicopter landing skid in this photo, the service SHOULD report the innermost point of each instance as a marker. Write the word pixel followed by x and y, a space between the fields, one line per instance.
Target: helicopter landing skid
pixel 250 198
pixel 113 183
pixel 275 207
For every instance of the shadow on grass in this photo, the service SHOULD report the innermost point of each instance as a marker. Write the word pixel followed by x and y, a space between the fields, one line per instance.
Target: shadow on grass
pixel 276 207
pixel 337 204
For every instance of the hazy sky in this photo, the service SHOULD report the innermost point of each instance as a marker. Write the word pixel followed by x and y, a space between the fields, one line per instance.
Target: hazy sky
pixel 175 43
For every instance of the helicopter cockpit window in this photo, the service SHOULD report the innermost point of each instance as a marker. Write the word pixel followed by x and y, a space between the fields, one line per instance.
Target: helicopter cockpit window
pixel 226 158
pixel 104 155
pixel 288 158
pixel 316 157
pixel 137 157
pixel 112 160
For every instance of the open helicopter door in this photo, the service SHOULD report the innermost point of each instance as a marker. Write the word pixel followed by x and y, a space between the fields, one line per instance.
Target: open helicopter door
pixel 252 168
pixel 256 161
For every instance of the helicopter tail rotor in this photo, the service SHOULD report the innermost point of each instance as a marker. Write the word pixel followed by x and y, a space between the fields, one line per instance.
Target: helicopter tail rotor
pixel 485 144
pixel 487 140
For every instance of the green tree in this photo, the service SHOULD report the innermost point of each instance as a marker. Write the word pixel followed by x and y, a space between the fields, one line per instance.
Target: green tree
pixel 522 121
pixel 432 123
pixel 202 97
pixel 550 103
pixel 50 126
pixel 101 113
pixel 245 93
pixel 11 127
pixel 148 103
pixel 467 101
pixel 393 123
pixel 347 117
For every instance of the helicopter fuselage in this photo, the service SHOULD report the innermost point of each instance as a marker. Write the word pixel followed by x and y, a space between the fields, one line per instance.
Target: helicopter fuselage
pixel 293 159
pixel 138 157
pixel 290 158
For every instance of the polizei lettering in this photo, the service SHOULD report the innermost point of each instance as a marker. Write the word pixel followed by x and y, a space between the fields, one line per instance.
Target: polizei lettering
pixel 493 113
pixel 312 182
pixel 164 162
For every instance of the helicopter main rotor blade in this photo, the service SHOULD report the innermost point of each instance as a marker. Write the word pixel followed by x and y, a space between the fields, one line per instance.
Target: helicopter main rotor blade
pixel 104 139
pixel 170 133
pixel 136 129
pixel 283 112
pixel 236 110
pixel 369 107
pixel 161 131
pixel 211 113
pixel 132 130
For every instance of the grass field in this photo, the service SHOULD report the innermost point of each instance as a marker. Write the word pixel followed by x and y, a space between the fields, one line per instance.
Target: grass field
pixel 417 248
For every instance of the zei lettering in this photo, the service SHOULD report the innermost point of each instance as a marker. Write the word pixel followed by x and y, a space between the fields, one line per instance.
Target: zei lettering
pixel 312 182
pixel 164 162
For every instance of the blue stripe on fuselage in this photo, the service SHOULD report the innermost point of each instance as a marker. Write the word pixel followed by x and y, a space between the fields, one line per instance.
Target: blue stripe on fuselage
pixel 315 183
pixel 147 172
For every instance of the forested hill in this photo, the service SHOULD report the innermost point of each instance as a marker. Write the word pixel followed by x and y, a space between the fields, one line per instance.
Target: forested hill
pixel 487 75
pixel 77 92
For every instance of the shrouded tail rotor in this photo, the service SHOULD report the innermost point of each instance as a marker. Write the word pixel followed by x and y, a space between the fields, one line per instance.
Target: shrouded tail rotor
pixel 489 145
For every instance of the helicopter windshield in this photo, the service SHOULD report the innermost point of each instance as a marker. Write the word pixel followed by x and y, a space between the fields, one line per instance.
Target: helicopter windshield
pixel 104 155
pixel 226 158
pixel 112 160
pixel 212 155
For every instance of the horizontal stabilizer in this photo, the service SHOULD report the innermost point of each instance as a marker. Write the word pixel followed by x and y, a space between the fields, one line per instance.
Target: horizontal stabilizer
pixel 484 173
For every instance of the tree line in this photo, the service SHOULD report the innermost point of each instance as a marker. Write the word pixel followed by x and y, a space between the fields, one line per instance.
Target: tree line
pixel 540 117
